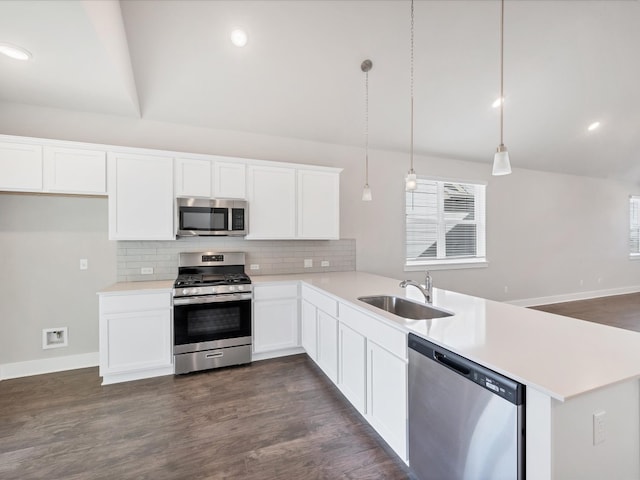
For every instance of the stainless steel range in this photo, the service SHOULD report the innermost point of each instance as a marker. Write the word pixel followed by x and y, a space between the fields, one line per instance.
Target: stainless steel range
pixel 211 311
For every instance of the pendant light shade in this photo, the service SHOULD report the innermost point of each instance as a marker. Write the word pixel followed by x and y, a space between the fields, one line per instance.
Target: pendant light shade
pixel 501 163
pixel 366 193
pixel 411 181
pixel 365 66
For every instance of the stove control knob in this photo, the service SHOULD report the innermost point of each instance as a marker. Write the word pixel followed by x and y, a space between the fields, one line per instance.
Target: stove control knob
pixel 241 287
pixel 185 291
pixel 232 288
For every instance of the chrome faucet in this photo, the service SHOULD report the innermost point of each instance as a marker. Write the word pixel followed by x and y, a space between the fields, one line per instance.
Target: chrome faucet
pixel 427 290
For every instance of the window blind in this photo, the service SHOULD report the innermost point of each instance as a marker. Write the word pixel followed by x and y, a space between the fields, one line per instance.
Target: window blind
pixel 634 225
pixel 445 222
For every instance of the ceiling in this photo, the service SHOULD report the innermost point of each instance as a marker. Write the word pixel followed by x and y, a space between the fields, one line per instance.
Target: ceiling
pixel 567 64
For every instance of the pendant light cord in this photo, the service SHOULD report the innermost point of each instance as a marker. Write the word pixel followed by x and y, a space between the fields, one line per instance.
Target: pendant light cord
pixel 411 83
pixel 366 127
pixel 502 73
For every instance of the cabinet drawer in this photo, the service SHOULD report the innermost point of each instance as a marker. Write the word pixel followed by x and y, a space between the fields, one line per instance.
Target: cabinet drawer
pixel 375 330
pixel 272 292
pixel 134 302
pixel 323 302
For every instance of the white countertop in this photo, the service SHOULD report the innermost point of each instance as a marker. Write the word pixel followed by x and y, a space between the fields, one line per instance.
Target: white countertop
pixel 131 287
pixel 559 356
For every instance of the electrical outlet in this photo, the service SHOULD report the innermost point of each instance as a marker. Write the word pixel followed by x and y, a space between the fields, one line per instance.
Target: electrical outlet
pixel 84 264
pixel 308 263
pixel 254 266
pixel 325 263
pixel 599 427
pixel 581 282
pixel 506 289
pixel 146 270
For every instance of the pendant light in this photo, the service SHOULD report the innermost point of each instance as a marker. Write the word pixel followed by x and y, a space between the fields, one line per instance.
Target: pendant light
pixel 501 164
pixel 365 66
pixel 411 182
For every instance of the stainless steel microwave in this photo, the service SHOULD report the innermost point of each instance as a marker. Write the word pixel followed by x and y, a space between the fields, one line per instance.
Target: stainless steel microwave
pixel 202 217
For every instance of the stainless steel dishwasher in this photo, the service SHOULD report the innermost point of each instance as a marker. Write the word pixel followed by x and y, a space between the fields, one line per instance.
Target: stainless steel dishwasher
pixel 466 422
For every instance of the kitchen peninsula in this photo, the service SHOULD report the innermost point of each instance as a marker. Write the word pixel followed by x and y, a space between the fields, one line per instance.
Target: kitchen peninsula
pixel 572 369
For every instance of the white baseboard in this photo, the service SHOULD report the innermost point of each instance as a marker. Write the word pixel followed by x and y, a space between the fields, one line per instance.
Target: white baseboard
pixel 570 297
pixel 48 365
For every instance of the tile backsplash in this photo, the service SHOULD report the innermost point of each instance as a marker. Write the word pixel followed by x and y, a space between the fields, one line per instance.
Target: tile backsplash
pixel 274 257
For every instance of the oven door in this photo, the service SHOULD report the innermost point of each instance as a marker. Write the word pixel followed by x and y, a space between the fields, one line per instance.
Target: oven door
pixel 215 321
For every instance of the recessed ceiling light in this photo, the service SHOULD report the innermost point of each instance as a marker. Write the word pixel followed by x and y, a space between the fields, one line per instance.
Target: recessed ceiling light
pixel 593 126
pixel 497 102
pixel 239 37
pixel 15 52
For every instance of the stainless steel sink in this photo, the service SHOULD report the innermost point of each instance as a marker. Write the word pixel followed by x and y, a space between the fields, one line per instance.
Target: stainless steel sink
pixel 405 308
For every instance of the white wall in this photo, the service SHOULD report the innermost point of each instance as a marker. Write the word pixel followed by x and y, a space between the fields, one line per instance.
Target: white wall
pixel 546 232
pixel 42 239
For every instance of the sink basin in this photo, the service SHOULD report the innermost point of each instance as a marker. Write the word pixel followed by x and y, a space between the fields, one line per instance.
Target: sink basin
pixel 405 308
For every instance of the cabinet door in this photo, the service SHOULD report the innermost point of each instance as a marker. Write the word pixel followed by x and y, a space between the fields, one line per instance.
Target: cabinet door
pixel 20 167
pixel 193 177
pixel 135 341
pixel 318 205
pixel 328 345
pixel 229 180
pixel 309 327
pixel 272 202
pixel 387 397
pixel 352 357
pixel 71 170
pixel 140 197
pixel 275 325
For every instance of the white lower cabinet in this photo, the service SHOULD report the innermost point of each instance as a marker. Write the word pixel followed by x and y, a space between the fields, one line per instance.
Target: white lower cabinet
pixel 373 366
pixel 320 330
pixel 275 318
pixel 135 336
pixel 352 354
pixel 387 397
pixel 328 345
pixel 309 329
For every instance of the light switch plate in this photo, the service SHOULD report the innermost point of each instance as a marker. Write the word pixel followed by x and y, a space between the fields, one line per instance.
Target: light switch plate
pixel 308 262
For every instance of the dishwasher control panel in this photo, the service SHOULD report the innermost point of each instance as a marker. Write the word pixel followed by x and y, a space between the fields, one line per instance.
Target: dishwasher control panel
pixel 500 385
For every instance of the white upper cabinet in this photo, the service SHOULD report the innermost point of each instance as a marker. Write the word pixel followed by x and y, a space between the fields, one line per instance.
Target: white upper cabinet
pixel 229 179
pixel 318 205
pixel 210 178
pixel 272 202
pixel 74 170
pixel 20 167
pixel 193 177
pixel 140 197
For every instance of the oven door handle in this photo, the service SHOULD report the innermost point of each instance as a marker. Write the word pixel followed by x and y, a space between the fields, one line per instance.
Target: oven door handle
pixel 225 297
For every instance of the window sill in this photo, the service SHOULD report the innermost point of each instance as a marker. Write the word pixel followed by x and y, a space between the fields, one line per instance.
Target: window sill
pixel 447 265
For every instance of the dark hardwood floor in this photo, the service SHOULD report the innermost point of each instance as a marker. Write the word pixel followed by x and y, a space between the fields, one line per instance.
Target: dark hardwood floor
pixel 622 311
pixel 274 419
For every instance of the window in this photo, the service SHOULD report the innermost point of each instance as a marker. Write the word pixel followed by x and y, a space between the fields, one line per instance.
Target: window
pixel 445 223
pixel 634 226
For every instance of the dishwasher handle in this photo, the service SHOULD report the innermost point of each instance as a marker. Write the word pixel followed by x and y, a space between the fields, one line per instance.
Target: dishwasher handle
pixel 458 367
